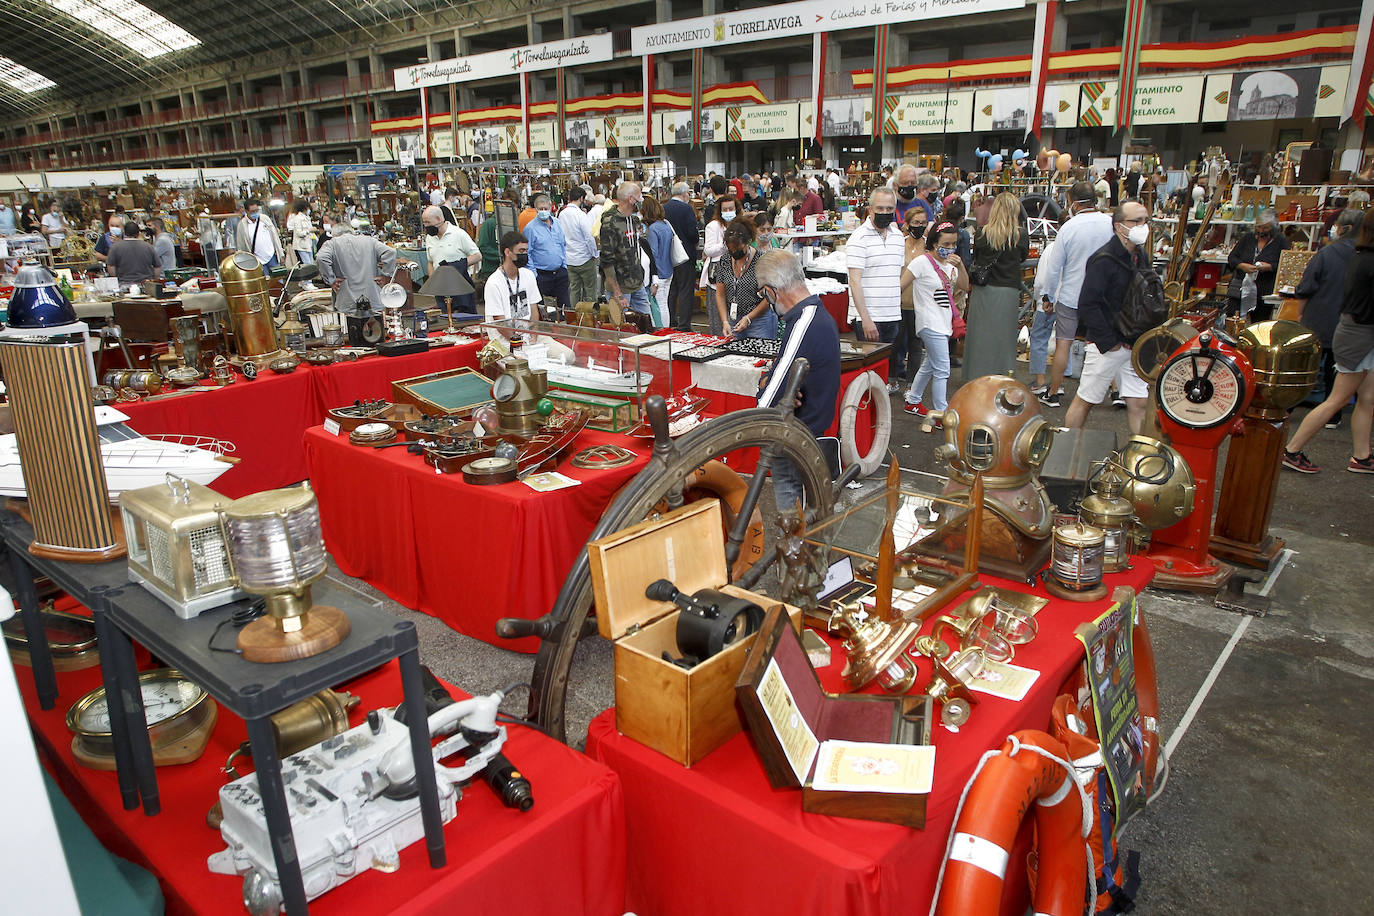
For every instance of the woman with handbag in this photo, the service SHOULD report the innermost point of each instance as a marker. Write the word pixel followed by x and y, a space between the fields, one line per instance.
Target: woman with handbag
pixel 740 307
pixel 724 210
pixel 936 278
pixel 994 311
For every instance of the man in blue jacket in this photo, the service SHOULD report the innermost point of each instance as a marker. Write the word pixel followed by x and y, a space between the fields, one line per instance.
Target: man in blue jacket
pixel 682 295
pixel 1106 278
pixel 811 335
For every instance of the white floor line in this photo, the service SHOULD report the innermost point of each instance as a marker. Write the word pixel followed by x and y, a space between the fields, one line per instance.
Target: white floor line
pixel 1206 687
pixel 1284 557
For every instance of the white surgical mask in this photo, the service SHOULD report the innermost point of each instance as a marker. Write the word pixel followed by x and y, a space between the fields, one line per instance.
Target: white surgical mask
pixel 545 215
pixel 727 215
pixel 1333 233
pixel 116 231
pixel 1139 235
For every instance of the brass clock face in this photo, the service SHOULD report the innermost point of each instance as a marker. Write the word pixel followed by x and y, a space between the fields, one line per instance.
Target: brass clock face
pixel 167 696
pixel 1201 389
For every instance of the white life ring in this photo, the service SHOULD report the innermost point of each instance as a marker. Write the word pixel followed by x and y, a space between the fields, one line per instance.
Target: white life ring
pixel 868 385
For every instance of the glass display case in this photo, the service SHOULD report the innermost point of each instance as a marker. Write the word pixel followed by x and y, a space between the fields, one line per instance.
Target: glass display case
pixel 605 365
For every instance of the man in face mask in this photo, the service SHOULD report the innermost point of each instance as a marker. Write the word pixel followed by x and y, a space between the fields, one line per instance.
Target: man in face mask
pixel 622 260
pixel 55 225
pixel 1107 277
pixel 549 251
pixel 810 334
pixel 875 256
pixel 352 263
pixel 1060 277
pixel 445 243
pixel 1257 253
pixel 904 184
pixel 512 291
pixel 257 233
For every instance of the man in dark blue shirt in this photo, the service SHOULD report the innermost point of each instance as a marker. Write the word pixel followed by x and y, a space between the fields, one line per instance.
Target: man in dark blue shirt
pixel 811 335
pixel 682 296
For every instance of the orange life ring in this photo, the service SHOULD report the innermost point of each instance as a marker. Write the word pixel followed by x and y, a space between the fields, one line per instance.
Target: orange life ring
pixel 718 479
pixel 1031 767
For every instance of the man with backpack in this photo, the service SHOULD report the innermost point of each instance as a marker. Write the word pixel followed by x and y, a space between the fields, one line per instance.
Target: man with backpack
pixel 1121 298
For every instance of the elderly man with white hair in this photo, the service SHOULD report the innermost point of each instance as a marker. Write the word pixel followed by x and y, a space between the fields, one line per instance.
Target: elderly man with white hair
pixel 623 259
pixel 875 256
pixel 682 297
pixel 903 183
pixel 446 243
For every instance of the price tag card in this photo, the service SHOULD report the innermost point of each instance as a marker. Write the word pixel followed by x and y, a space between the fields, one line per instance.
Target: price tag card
pixel 332 427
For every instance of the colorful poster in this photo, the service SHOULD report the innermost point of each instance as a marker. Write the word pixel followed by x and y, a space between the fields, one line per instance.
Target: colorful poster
pixel 934 112
pixel 623 130
pixel 381 150
pixel 764 122
pixel 1111 678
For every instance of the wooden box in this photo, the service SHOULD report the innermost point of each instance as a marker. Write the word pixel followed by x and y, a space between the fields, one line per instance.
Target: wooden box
pixel 451 392
pixel 683 713
pixel 796 725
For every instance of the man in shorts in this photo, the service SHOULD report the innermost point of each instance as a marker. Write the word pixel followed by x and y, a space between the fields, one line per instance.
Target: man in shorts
pixel 1107 278
pixel 1086 231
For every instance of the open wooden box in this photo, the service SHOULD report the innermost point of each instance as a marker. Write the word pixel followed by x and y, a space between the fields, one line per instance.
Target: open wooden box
pixel 874 749
pixel 683 713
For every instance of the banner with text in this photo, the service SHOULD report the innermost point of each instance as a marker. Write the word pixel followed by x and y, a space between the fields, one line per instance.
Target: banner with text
pixel 548 55
pixel 797 19
pixel 764 122
pixel 1166 100
pixel 934 112
pixel 544 137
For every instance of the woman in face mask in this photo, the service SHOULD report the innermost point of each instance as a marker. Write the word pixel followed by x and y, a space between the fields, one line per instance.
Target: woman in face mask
pixel 764 237
pixel 1256 254
pixel 908 345
pixel 937 281
pixel 739 305
pixel 713 251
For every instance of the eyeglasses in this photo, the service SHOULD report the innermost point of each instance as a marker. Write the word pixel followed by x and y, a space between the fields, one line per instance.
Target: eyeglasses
pixel 1135 222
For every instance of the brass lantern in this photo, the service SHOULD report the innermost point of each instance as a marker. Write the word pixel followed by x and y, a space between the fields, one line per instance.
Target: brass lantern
pixel 1105 508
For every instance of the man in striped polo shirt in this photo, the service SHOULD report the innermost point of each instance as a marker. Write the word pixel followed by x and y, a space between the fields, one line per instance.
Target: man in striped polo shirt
pixel 874 256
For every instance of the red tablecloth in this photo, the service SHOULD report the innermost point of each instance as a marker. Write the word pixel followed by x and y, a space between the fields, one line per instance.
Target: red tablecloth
pixel 798 863
pixel 265 418
pixel 468 555
pixel 564 855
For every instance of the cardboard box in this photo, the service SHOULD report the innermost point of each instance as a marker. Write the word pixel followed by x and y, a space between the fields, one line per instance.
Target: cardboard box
pixel 683 713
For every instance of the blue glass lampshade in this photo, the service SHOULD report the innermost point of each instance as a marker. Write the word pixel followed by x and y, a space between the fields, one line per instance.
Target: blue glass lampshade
pixel 37 302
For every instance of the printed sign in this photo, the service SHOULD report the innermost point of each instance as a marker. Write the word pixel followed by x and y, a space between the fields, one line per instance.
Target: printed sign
pixel 1001 109
pixel 934 112
pixel 1060 106
pixel 441 141
pixel 792 19
pixel 764 122
pixel 381 150
pixel 529 59
pixel 543 137
pixel 1176 100
pixel 1116 708
pixel 849 117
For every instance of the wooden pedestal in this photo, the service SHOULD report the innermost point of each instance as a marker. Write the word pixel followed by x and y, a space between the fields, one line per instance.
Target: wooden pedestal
pixel 1248 488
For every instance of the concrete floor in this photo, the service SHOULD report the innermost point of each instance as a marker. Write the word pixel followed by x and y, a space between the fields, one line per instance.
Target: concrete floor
pixel 1262 811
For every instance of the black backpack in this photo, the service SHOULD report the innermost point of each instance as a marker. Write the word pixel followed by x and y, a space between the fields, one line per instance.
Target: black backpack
pixel 1144 306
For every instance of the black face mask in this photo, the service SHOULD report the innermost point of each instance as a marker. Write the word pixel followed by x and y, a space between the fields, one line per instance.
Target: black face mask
pixel 431 230
pixel 906 191
pixel 883 220
pixel 739 255
pixel 917 230
pixel 521 260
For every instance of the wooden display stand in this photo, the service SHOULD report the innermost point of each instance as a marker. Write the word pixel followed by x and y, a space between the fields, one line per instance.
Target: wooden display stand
pixel 1248 487
pixel 683 713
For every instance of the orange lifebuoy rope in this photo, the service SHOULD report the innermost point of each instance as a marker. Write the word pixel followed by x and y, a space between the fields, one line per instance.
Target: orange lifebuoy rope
pixel 1029 772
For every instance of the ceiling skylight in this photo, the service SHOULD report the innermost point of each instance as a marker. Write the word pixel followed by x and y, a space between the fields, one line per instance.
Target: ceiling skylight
pixel 17 76
pixel 129 23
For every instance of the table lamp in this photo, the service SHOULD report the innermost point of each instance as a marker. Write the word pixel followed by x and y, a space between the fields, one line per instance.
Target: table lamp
pixel 446 282
pixel 276 550
pixel 37 302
